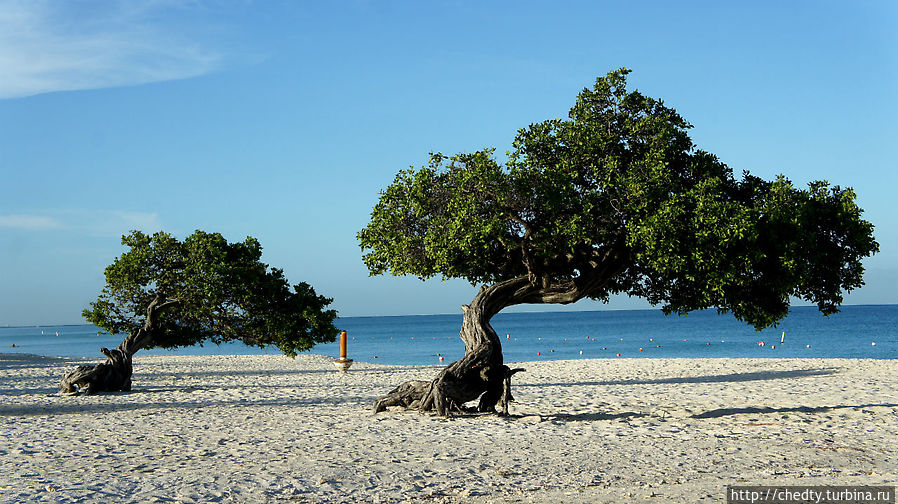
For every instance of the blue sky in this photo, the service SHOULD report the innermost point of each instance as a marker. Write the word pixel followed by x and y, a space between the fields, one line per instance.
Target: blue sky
pixel 283 120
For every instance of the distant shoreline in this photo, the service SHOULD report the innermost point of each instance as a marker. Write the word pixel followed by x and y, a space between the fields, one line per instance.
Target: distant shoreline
pixel 859 331
pixel 459 314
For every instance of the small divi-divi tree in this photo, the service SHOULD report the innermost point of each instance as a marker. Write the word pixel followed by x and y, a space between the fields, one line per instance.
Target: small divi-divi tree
pixel 169 293
pixel 615 199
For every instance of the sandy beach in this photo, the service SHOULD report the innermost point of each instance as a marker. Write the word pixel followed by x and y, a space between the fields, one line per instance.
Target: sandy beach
pixel 262 429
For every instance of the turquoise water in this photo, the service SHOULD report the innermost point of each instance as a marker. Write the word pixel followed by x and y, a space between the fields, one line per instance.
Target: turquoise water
pixel 856 332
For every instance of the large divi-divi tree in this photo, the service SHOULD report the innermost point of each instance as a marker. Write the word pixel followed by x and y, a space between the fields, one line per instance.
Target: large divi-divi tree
pixel 615 199
pixel 167 293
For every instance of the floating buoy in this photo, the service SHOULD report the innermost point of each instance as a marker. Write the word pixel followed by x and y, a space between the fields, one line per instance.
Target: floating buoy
pixel 651 339
pixel 581 352
pixel 604 348
pixel 441 358
pixel 618 355
pixel 640 349
pixel 553 350
pixel 709 343
pixel 538 354
pixel 657 346
pixel 874 343
pixel 773 347
pixel 807 346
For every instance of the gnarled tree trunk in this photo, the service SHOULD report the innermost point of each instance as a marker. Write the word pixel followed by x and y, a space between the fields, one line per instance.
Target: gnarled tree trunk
pixel 114 374
pixel 481 372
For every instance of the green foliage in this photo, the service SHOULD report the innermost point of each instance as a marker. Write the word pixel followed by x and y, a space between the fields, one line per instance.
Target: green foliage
pixel 618 189
pixel 212 290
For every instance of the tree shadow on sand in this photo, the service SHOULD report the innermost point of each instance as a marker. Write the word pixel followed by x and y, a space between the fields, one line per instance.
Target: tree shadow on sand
pixel 81 408
pixel 717 413
pixel 722 412
pixel 725 378
pixel 594 417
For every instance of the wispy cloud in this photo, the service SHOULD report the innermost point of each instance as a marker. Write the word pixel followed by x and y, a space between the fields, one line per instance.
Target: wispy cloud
pixel 118 222
pixel 48 46
pixel 28 222
pixel 103 223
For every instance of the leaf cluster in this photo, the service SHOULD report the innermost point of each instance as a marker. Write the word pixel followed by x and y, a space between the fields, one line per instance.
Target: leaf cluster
pixel 211 290
pixel 619 190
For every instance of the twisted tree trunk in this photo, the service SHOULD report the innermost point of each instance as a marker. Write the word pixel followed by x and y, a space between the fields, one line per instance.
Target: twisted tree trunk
pixel 481 372
pixel 115 373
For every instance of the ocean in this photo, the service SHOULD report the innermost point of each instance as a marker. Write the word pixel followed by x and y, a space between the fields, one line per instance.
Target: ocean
pixel 863 331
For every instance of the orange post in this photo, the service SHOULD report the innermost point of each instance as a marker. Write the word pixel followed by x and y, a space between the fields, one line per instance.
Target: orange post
pixel 342 345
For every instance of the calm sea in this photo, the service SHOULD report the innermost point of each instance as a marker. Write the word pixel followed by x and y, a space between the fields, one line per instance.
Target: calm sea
pixel 856 332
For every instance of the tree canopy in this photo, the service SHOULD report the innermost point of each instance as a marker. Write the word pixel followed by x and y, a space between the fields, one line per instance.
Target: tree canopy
pixel 618 199
pixel 181 293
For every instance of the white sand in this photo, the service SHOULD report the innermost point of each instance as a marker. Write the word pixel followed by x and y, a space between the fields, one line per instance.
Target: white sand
pixel 272 429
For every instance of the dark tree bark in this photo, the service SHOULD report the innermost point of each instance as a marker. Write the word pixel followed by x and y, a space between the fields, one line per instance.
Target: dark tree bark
pixel 115 373
pixel 481 373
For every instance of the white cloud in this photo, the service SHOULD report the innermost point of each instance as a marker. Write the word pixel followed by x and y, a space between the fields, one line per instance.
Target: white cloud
pixel 103 223
pixel 109 223
pixel 48 46
pixel 118 222
pixel 29 222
